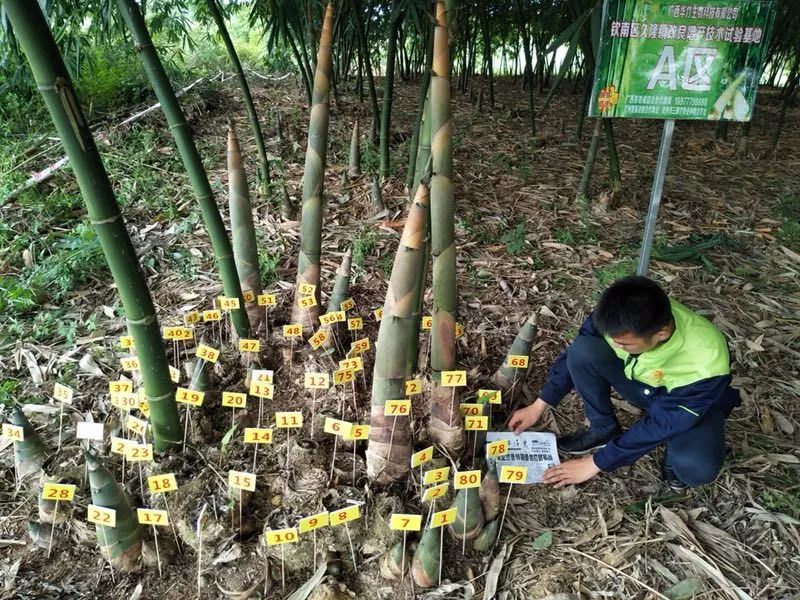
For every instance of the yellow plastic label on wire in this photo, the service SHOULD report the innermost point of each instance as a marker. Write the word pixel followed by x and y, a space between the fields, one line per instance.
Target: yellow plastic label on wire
pixel 234 399
pixel 248 296
pixel 293 330
pixel 355 324
pixel 212 315
pixel 288 420
pixel 130 363
pixel 403 522
pixel 246 345
pixel 421 457
pixel 476 423
pixel 316 381
pixel 137 426
pixel 139 452
pixel 427 322
pixel 358 432
pixel 413 387
pixel 348 304
pixel 490 396
pixel 354 364
pixel 152 516
pixel 125 401
pixel 126 342
pixel 470 410
pixel 62 393
pixel 191 318
pixel 276 537
pixel 165 482
pixel 459 330
pixel 174 374
pixel 240 480
pixel 262 390
pixel 306 301
pixel 226 303
pixel 436 475
pixel 360 346
pixel 120 386
pixel 191 397
pixel 345 515
pixel 397 408
pixel 454 378
pixel 177 333
pixel 328 318
pixel 378 313
pixel 15 433
pixel 513 474
pixel 436 492
pixel 498 448
pixel 319 338
pixel 119 445
pixel 61 492
pixel 313 522
pixel 443 517
pixel 207 353
pixel 306 289
pixel 467 479
pixel 337 427
pixel 262 375
pixel 100 515
pixel 517 361
pixel 343 376
pixel 144 405
pixel 267 300
pixel 257 435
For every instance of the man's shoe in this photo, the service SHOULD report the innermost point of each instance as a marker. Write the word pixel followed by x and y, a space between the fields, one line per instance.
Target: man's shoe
pixel 583 442
pixel 675 484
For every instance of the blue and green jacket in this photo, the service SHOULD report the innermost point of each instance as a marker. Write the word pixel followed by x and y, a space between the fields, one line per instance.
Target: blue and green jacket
pixel 686 376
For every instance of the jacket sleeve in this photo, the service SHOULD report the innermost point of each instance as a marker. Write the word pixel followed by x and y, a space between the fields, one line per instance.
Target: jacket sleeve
pixel 559 381
pixel 671 414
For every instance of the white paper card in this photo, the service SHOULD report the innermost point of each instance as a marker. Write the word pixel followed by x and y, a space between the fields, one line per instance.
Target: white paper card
pixel 89 431
pixel 535 450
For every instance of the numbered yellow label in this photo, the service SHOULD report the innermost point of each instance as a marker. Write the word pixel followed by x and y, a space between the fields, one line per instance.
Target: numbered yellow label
pixel 454 378
pixel 403 522
pixel 413 387
pixel 316 381
pixel 306 301
pixel 177 333
pixel 293 330
pixel 120 386
pixel 306 289
pixel 397 408
pixel 15 433
pixel 139 452
pixel 262 390
pixel 119 446
pixel 212 315
pixel 378 313
pixel 319 338
pixel 348 304
pixel 476 423
pixel 276 537
pixel 343 376
pixel 498 448
pixel 191 318
pixel 267 300
pixel 427 322
pixel 443 517
pixel 174 374
pixel 470 410
pixel 152 516
pixel 490 396
pixel 345 515
pixel 421 457
pixel 159 484
pixel 262 375
pixel 337 427
pixel 355 324
pixel 513 474
pixel 126 342
pixel 137 426
pixel 207 353
pixel 125 401
pixel 130 363
pixel 58 491
pixel 234 399
pixel 354 364
pixel 246 345
pixel 257 435
pixel 459 330
pixel 144 405
pixel 248 296
pixel 100 515
pixel 360 346
pixel 436 492
pixel 467 479
pixel 227 303
pixel 313 522
pixel 191 397
pixel 358 432
pixel 436 475
pixel 328 318
pixel 517 361
pixel 288 420
pixel 240 480
pixel 62 393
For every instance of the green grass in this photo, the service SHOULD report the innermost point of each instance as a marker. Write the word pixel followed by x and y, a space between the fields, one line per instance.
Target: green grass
pixel 514 239
pixel 788 210
pixel 787 502
pixel 609 274
pixel 363 245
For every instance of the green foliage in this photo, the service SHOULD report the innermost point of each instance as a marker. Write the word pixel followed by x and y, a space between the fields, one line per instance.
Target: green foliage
pixel 268 265
pixel 784 501
pixel 8 390
pixel 386 263
pixel 788 210
pixel 363 245
pixel 514 239
pixel 609 274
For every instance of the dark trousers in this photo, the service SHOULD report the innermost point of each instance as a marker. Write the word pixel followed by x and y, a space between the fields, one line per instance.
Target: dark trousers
pixel 695 456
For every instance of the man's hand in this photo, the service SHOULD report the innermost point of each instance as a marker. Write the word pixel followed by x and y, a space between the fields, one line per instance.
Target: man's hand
pixel 571 472
pixel 527 417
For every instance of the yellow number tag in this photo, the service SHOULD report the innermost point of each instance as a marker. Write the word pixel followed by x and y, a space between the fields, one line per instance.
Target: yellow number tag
pixel 191 318
pixel 62 393
pixel 313 522
pixel 262 390
pixel 262 375
pixel 517 361
pixel 58 492
pixel 378 312
pixel 470 410
pixel 191 397
pixel 413 387
pixel 165 482
pixel 152 516
pixel 498 448
pixel 125 401
pixel 340 316
pixel 15 433
pixel 467 479
pixel 139 452
pixel 170 333
pixel 207 353
pixel 343 376
pixel 276 537
pixel 513 474
pixel 122 385
pixel 436 475
pixel 248 296
pixel 352 364
pixel 226 303
pixel 360 346
pixel 267 300
pixel 240 480
pixel 257 435
pixel 144 405
pixel 421 457
pixel 316 340
pixel 293 330
pixel 436 492
pixel 99 515
pixel 249 345
pixel 212 315
pixel 454 378
pixel 427 322
pixel 234 399
pixel 130 363
pixel 306 301
pixel 358 432
pixel 476 423
pixel 397 408
pixel 306 289
pixel 119 445
pixel 459 330
pixel 355 324
pixel 174 374
pixel 337 427
pixel 443 517
pixel 316 381
pixel 288 420
pixel 490 396
pixel 339 517
pixel 137 426
pixel 401 522
pixel 327 318
pixel 348 304
pixel 126 342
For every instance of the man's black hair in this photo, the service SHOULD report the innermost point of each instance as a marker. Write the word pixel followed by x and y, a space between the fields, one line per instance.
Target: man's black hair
pixel 632 305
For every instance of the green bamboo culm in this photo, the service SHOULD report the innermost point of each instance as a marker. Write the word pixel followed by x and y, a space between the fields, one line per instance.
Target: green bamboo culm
pixel 56 88
pixel 507 377
pixel 243 232
pixel 354 164
pixel 121 545
pixel 582 197
pixel 252 116
pixel 395 21
pixel 469 514
pixel 308 264
pixel 30 453
pixel 390 440
pixel 412 175
pixel 445 425
pixel 191 158
pixel 425 565
pixel 341 289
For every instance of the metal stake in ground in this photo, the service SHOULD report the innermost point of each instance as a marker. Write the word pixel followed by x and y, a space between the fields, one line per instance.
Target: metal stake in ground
pixel 199 532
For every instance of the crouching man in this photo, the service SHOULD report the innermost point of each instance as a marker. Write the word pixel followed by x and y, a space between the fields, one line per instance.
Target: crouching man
pixel 659 356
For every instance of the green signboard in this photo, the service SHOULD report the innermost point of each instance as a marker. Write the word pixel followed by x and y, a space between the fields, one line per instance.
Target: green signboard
pixel 681 59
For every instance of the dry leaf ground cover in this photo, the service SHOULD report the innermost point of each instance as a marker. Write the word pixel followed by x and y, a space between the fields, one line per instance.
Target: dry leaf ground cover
pixel 728 244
